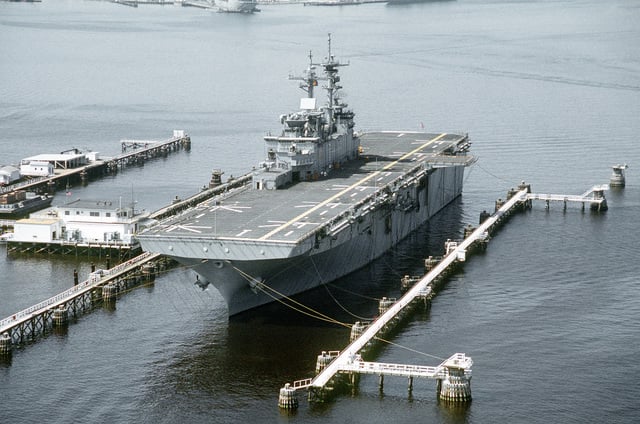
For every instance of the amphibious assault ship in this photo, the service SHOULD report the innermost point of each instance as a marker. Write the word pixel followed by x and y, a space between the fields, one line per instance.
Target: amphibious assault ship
pixel 326 201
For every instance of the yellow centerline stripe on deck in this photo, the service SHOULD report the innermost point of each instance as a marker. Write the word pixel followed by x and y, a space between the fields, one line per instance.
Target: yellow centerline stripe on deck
pixel 337 195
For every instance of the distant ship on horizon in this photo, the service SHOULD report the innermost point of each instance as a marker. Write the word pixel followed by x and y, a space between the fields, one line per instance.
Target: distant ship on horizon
pixel 237 6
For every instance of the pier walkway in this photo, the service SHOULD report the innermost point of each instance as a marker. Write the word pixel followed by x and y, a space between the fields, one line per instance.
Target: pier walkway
pixel 101 285
pixel 409 371
pixel 133 152
pixel 594 196
pixel 357 365
pixel 453 374
pixel 421 288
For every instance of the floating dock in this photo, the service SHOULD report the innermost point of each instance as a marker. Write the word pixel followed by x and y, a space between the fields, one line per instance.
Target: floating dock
pixel 454 374
pixel 102 286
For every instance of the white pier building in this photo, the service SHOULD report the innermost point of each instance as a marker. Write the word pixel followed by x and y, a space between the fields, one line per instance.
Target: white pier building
pixel 81 221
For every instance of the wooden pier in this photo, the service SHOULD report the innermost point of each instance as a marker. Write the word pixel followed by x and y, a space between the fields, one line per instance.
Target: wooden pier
pixel 119 251
pixel 103 285
pixel 454 374
pixel 133 153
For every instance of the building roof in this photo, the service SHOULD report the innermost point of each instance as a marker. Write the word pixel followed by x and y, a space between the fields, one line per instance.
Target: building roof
pixel 94 204
pixel 39 221
pixel 8 168
pixel 50 157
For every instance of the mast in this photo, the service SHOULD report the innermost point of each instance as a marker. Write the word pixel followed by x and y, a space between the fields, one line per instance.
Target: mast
pixel 309 78
pixel 330 67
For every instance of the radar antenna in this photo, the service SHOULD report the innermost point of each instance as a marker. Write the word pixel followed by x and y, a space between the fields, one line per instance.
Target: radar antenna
pixel 331 71
pixel 309 78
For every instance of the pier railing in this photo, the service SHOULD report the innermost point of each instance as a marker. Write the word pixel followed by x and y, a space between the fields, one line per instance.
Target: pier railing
pixel 94 279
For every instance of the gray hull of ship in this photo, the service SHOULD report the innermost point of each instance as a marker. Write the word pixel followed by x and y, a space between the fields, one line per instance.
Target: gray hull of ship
pixel 247 284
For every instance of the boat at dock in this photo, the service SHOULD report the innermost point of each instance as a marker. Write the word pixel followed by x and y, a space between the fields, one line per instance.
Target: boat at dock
pixel 326 201
pixel 19 203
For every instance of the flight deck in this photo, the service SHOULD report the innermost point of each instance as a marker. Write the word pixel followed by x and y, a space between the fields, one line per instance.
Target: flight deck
pixel 290 215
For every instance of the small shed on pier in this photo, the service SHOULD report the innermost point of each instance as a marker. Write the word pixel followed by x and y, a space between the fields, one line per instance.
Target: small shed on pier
pixel 9 174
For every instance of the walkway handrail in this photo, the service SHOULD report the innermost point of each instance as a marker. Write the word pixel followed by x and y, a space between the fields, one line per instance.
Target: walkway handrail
pixel 150 146
pixel 88 284
pixel 302 384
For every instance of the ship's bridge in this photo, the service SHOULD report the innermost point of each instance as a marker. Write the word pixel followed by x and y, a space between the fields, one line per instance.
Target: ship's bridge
pixel 310 145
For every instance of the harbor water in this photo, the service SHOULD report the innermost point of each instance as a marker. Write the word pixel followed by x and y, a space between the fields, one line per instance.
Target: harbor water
pixel 549 92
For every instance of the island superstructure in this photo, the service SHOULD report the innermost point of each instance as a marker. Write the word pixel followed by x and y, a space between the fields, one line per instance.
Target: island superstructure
pixel 325 202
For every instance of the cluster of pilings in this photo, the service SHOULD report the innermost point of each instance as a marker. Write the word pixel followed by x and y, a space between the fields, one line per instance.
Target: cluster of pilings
pixel 617 178
pixel 216 178
pixel 503 218
pixel 456 387
pixel 123 284
pixel 407 281
pixel 288 398
pixel 5 344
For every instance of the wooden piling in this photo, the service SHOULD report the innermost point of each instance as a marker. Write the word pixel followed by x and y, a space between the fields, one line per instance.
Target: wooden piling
pixel 5 344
